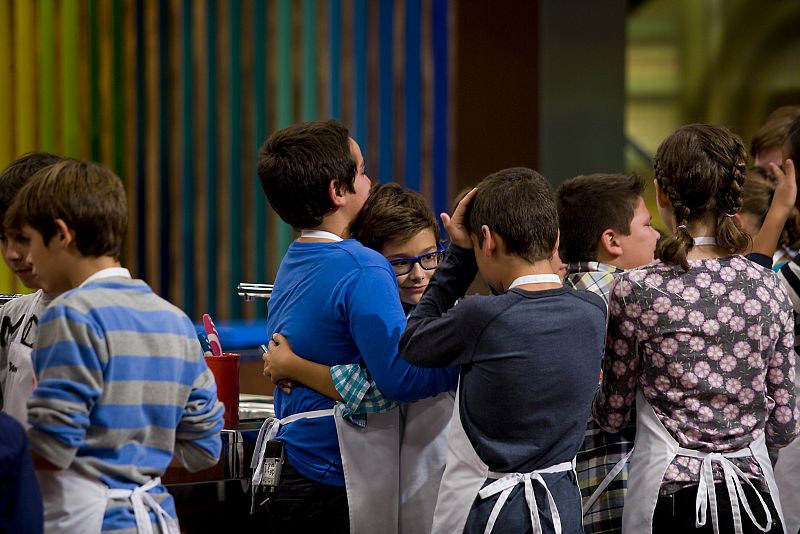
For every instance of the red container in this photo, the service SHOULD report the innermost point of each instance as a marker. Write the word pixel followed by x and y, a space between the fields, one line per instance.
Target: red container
pixel 226 373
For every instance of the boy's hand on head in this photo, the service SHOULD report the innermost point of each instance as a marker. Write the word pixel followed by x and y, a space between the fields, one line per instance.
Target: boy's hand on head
pixel 456 226
pixel 785 196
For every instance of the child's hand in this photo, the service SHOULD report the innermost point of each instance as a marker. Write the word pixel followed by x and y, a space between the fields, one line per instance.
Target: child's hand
pixel 456 225
pixel 785 196
pixel 278 362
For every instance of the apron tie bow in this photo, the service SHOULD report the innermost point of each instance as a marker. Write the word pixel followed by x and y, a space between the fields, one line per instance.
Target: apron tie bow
pixel 141 500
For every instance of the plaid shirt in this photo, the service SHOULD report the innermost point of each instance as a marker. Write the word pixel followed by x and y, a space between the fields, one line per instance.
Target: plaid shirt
pixel 360 393
pixel 601 451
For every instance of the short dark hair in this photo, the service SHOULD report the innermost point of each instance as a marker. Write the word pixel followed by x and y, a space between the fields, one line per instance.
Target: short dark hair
pixel 590 204
pixel 774 130
pixel 296 166
pixel 393 213
pixel 518 205
pixel 793 139
pixel 87 196
pixel 17 174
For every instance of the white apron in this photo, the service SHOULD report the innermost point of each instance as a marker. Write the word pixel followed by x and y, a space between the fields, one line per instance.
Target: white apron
pixel 76 504
pixel 465 474
pixel 654 450
pixel 787 478
pixel 423 450
pixel 21 382
pixel 375 502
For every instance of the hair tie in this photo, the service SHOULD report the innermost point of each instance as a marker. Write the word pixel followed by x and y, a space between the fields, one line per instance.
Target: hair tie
pixel 729 215
pixel 682 226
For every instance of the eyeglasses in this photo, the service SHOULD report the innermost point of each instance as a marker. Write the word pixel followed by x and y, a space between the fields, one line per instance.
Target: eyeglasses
pixel 427 261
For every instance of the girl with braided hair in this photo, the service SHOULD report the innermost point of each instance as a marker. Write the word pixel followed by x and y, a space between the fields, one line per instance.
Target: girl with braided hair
pixel 702 341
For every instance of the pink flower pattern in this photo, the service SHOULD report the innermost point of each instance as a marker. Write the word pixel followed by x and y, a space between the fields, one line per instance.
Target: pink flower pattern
pixel 712 351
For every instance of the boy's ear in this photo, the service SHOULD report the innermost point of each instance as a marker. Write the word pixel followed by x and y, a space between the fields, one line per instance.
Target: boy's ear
pixel 337 198
pixel 64 235
pixel 489 241
pixel 609 247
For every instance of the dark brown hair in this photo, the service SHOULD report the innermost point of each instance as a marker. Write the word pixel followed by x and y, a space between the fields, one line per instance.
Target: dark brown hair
pixel 590 204
pixel 296 166
pixel 793 139
pixel 518 205
pixel 87 196
pixel 17 174
pixel 757 195
pixel 775 129
pixel 393 213
pixel 701 168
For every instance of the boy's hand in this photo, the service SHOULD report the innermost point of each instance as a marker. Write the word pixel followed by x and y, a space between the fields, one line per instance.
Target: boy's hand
pixel 456 225
pixel 785 196
pixel 278 362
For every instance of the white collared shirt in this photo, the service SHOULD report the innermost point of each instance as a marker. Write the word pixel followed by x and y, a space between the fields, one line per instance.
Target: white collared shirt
pixel 109 272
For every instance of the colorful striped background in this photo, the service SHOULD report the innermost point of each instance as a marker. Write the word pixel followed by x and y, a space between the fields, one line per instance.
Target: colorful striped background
pixel 177 95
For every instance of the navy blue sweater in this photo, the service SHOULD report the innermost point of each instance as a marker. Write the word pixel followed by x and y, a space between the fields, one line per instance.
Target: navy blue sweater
pixel 530 362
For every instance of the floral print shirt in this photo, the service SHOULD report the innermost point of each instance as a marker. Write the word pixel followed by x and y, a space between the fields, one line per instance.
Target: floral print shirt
pixel 712 351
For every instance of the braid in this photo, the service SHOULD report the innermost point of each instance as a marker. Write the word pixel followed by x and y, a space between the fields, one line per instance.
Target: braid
pixel 673 249
pixel 729 236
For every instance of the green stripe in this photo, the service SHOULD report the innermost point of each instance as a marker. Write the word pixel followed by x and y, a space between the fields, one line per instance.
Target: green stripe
pixel 70 26
pixel 118 85
pixel 47 75
pixel 285 115
pixel 310 61
pixel 95 109
pixel 235 175
pixel 211 157
pixel 187 164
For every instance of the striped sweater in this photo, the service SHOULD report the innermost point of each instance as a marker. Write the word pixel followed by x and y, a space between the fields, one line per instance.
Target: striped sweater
pixel 122 386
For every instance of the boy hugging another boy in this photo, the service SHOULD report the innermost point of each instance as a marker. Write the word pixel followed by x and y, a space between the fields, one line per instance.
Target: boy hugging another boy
pixel 528 375
pixel 598 244
pixel 122 384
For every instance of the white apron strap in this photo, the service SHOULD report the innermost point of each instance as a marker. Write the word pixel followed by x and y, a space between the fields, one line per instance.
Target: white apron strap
pixel 609 478
pixel 506 483
pixel 706 495
pixel 141 500
pixel 269 429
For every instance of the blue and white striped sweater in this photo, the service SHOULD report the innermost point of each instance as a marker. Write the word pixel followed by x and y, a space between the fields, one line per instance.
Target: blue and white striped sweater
pixel 122 383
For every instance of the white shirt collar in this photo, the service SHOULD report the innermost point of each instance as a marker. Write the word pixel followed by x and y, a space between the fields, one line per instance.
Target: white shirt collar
pixel 110 272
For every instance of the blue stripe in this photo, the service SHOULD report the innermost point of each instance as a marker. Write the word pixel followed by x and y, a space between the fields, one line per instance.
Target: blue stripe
pixel 130 454
pixel 385 91
pixel 135 286
pixel 64 313
pixel 136 416
pixel 360 104
pixel 70 436
pixel 335 51
pixel 151 368
pixel 440 34
pixel 66 353
pixel 260 218
pixel 123 318
pixel 413 95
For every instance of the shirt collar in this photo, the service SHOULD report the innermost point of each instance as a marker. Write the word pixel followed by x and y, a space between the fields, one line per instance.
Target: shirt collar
pixel 592 267
pixel 110 272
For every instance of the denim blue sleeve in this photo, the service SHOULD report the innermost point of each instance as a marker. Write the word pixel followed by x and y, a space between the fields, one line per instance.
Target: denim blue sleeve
pixel 20 499
pixel 376 321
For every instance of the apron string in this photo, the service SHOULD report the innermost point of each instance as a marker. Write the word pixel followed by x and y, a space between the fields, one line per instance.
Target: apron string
pixel 141 501
pixel 508 481
pixel 609 478
pixel 706 495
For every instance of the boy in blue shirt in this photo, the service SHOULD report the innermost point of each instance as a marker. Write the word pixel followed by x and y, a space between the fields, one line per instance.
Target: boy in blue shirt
pixel 336 302
pixel 122 382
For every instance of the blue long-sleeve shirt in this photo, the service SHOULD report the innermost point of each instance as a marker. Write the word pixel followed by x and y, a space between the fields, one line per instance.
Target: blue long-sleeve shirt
pixel 337 303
